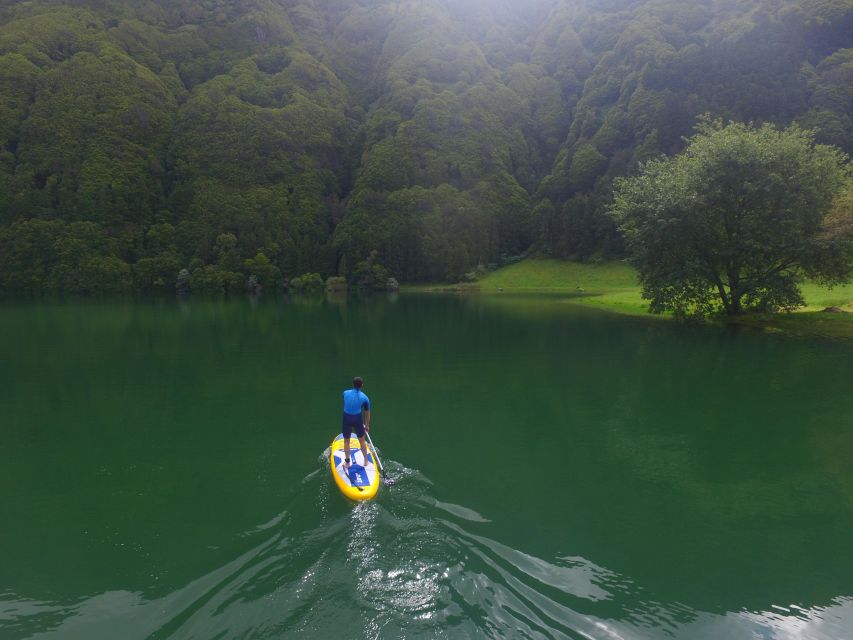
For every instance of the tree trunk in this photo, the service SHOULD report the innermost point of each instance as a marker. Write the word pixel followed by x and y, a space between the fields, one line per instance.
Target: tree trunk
pixel 726 299
pixel 734 308
pixel 735 291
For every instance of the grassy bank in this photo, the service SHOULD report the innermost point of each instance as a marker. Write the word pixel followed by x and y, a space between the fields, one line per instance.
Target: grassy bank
pixel 608 285
pixel 613 286
pixel 811 319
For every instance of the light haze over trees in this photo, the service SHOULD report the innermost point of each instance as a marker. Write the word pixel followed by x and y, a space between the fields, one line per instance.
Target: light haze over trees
pixel 276 139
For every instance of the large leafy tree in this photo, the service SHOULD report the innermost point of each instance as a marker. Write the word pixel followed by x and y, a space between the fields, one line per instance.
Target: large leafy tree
pixel 737 219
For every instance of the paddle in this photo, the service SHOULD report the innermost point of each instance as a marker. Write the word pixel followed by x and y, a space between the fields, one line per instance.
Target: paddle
pixel 385 477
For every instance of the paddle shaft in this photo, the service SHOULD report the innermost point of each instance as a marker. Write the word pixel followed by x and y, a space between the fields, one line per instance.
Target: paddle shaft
pixel 376 455
pixel 360 490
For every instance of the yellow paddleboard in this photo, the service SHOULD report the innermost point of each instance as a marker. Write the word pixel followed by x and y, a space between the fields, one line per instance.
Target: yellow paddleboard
pixel 361 481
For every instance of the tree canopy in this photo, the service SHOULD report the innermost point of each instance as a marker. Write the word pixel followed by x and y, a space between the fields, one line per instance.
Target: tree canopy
pixel 438 135
pixel 737 219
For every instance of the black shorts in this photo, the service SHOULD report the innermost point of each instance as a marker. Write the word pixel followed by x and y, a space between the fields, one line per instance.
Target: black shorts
pixel 352 424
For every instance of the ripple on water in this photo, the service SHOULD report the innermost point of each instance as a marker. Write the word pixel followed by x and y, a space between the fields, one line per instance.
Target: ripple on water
pixel 405 565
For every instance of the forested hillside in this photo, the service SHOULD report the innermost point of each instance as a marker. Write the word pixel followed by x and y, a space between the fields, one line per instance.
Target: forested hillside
pixel 223 140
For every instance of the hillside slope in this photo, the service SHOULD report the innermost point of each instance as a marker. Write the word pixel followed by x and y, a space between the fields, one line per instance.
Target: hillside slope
pixel 278 137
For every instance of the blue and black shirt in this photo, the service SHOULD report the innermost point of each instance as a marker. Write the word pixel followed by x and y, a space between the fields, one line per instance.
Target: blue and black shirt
pixel 354 401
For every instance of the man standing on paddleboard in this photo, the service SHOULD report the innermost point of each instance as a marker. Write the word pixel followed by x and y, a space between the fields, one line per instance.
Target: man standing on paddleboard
pixel 356 418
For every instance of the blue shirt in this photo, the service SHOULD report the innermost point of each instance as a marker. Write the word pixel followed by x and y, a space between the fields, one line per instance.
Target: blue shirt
pixel 354 401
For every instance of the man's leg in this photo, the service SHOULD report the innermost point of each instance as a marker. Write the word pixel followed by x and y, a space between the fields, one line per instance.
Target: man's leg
pixel 346 452
pixel 347 432
pixel 363 449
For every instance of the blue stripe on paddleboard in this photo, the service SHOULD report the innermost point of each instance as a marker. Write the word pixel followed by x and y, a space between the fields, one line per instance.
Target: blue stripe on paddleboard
pixel 358 476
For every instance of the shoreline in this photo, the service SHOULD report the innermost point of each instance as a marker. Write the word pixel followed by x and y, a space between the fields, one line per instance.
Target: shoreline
pixel 612 287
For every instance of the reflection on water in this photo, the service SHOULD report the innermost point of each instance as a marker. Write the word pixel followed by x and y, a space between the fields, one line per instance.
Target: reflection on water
pixel 567 475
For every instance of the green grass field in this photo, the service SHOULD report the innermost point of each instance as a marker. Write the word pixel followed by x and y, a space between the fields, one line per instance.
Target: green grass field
pixel 610 285
pixel 613 286
pixel 818 297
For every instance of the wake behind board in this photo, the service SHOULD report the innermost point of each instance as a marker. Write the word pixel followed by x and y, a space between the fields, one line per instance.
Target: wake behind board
pixel 361 481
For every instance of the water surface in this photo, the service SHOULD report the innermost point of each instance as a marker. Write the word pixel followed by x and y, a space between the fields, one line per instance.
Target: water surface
pixel 561 473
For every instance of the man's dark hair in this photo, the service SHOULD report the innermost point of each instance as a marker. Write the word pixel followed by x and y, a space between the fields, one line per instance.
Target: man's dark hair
pixel 357 382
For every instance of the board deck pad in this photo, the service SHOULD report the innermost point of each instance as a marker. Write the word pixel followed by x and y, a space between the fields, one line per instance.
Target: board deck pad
pixel 357 473
pixel 361 480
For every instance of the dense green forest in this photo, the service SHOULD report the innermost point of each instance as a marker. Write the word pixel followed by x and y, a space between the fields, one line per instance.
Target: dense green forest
pixel 146 143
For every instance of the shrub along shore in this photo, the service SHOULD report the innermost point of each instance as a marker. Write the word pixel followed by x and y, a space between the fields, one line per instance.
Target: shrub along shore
pixel 613 286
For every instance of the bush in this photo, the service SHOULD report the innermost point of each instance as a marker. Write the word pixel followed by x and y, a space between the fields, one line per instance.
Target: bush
pixel 182 284
pixel 215 281
pixel 262 273
pixel 473 276
pixel 369 274
pixel 307 283
pixel 104 275
pixel 155 273
pixel 336 283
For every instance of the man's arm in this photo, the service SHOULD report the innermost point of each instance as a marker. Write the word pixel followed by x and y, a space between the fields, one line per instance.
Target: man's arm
pixel 365 413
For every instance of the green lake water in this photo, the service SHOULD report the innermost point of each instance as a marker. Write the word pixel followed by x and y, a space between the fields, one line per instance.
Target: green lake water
pixel 561 473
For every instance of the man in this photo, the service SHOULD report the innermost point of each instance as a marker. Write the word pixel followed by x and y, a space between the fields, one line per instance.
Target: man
pixel 356 418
